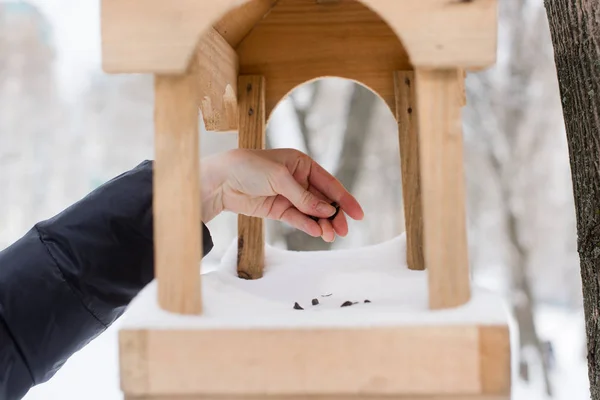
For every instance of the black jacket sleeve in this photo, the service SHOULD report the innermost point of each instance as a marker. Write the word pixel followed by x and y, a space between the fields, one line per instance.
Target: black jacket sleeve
pixel 70 277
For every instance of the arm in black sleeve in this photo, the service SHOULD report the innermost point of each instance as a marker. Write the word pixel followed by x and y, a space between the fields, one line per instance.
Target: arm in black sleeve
pixel 70 277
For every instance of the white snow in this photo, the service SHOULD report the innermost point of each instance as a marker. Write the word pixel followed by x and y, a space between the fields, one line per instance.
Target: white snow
pixel 378 273
pixel 93 372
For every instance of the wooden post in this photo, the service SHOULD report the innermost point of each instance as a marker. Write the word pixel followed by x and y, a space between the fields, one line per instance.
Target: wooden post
pixel 408 134
pixel 443 188
pixel 251 230
pixel 177 214
pixel 462 90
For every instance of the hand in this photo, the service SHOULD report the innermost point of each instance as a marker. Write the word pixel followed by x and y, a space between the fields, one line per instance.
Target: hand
pixel 280 184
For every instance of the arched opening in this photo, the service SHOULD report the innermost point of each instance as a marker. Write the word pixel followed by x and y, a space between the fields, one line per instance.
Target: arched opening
pixel 351 132
pixel 301 40
pixel 298 45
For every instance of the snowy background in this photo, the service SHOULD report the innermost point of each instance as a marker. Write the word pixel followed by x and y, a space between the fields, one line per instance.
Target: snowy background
pixel 65 128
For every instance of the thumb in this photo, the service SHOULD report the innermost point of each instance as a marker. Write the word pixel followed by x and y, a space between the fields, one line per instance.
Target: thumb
pixel 302 199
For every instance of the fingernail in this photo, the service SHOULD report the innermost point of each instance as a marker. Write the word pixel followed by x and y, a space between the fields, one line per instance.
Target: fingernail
pixel 325 208
pixel 328 241
pixel 307 230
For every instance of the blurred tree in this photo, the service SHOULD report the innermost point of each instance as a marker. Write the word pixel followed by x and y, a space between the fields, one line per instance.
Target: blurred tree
pixel 31 115
pixel 575 30
pixel 511 135
pixel 116 113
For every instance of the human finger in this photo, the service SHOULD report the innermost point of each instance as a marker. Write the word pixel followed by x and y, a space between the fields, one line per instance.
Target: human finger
pixel 300 163
pixel 327 234
pixel 293 217
pixel 333 189
pixel 339 222
pixel 305 201
pixel 282 209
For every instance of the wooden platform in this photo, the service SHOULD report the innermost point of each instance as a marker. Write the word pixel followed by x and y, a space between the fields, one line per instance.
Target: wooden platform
pixel 251 343
pixel 318 397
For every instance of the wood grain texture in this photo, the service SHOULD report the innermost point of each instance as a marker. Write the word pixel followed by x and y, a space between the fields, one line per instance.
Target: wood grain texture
pixel 575 31
pixel 216 72
pixel 251 135
pixel 176 192
pixel 154 36
pixel 462 89
pixel 334 397
pixel 443 33
pixel 133 361
pixel 159 36
pixel 408 134
pixel 237 23
pixel 251 247
pixel 301 40
pixel 408 360
pixel 443 188
pixel 495 359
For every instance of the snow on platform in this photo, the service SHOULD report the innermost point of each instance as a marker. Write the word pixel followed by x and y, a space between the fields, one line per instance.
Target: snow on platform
pixel 378 273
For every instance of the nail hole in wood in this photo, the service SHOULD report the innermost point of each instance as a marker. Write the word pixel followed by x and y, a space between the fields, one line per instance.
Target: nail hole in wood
pixel 251 111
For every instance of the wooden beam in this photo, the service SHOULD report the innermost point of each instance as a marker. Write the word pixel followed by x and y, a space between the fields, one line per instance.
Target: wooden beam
pixel 330 397
pixel 237 23
pixel 301 40
pixel 462 89
pixel 443 188
pixel 495 359
pixel 251 230
pixel 158 36
pixel 443 33
pixel 216 72
pixel 407 362
pixel 177 214
pixel 408 134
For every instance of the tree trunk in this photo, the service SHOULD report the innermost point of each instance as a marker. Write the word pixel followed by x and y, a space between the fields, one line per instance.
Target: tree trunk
pixel 521 286
pixel 575 29
pixel 360 112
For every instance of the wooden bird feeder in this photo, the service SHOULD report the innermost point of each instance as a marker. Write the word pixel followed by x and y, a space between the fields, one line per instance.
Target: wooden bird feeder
pixel 232 61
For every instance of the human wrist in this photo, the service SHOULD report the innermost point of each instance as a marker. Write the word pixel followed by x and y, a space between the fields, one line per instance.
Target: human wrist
pixel 211 188
pixel 211 204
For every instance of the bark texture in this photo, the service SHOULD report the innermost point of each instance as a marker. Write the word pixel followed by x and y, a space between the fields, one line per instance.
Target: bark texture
pixel 575 29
